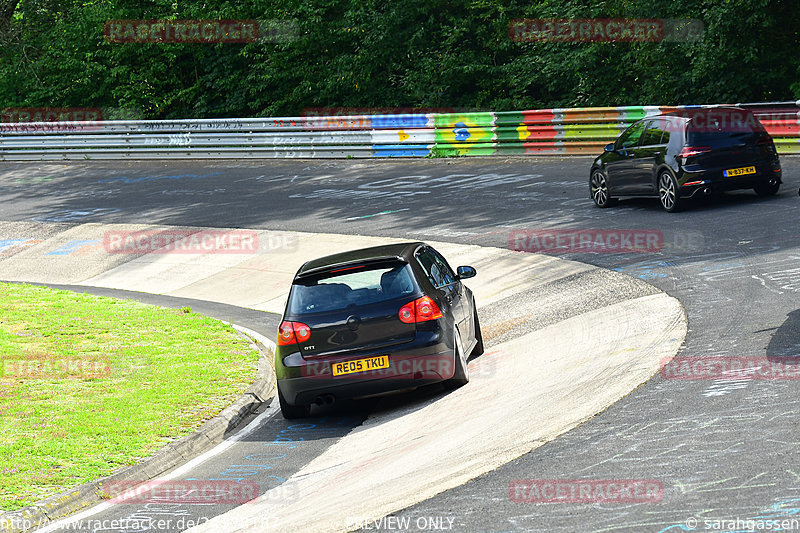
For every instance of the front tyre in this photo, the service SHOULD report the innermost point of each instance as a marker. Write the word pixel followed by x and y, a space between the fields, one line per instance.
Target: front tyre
pixel 668 193
pixel 290 411
pixel 598 188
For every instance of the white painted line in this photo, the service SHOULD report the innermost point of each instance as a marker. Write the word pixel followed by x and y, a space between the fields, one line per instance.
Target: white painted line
pixel 376 214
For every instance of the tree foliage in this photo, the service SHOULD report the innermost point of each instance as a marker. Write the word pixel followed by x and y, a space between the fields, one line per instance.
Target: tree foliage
pixel 413 54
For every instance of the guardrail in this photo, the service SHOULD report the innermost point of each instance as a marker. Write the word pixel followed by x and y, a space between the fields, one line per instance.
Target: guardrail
pixel 536 132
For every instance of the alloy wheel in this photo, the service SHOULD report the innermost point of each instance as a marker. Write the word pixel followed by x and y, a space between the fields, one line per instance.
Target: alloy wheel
pixel 666 191
pixel 599 189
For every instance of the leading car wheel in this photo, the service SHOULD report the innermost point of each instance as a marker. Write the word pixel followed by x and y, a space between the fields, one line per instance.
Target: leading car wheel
pixel 769 188
pixel 598 187
pixel 461 374
pixel 290 411
pixel 668 193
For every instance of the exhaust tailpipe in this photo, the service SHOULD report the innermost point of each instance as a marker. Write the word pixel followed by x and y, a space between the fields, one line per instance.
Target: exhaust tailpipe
pixel 324 399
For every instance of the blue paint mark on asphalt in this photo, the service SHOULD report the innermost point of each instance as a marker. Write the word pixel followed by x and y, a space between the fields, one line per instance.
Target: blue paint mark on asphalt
pixel 70 247
pixel 644 270
pixel 10 243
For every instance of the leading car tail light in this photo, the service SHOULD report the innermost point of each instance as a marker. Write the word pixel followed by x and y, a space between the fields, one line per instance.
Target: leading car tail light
pixel 420 310
pixel 691 151
pixel 293 333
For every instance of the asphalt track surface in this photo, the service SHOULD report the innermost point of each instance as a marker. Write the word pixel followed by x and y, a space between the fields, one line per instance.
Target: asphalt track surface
pixel 723 449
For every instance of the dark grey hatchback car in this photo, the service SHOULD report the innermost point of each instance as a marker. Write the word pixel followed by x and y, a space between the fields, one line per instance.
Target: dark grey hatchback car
pixel 675 156
pixel 372 321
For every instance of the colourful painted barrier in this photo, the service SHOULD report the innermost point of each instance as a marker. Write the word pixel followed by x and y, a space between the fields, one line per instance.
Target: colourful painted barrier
pixel 576 131
pixel 568 131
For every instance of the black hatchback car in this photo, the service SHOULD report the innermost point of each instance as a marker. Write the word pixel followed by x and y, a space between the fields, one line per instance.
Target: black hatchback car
pixel 678 155
pixel 372 321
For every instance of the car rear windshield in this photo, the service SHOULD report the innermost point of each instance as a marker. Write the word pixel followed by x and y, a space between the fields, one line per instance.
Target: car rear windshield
pixel 350 286
pixel 711 128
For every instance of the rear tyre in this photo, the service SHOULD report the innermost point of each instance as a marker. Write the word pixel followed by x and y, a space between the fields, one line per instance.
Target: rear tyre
pixel 478 349
pixel 767 189
pixel 598 188
pixel 461 374
pixel 290 411
pixel 668 193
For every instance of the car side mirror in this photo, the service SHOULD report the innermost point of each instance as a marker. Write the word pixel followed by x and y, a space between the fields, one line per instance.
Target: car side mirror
pixel 609 147
pixel 465 272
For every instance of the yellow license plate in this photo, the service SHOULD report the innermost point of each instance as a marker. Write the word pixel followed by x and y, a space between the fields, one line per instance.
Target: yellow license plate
pixel 360 365
pixel 739 171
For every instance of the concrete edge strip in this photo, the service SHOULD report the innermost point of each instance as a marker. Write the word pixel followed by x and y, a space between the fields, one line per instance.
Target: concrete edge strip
pixel 209 435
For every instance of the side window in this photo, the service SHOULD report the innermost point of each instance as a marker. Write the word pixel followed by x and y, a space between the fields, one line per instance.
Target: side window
pixel 630 139
pixel 438 272
pixel 668 126
pixel 447 273
pixel 653 133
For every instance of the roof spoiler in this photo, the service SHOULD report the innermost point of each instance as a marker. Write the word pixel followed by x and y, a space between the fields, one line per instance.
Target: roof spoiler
pixel 328 268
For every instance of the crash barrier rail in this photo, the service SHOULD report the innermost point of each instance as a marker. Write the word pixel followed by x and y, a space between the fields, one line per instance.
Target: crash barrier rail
pixel 570 131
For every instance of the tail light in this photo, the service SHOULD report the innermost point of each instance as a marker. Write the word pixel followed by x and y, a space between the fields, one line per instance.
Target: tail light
pixel 691 151
pixel 293 333
pixel 419 310
pixel 407 314
pixel 765 142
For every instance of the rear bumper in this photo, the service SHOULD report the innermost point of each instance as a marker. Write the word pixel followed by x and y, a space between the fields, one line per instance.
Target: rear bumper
pixel 692 183
pixel 302 381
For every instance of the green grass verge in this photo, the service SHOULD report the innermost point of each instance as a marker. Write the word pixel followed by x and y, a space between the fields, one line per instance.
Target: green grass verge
pixel 89 384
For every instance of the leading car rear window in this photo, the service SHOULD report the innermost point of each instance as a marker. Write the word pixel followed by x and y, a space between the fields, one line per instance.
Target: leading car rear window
pixel 706 128
pixel 349 287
